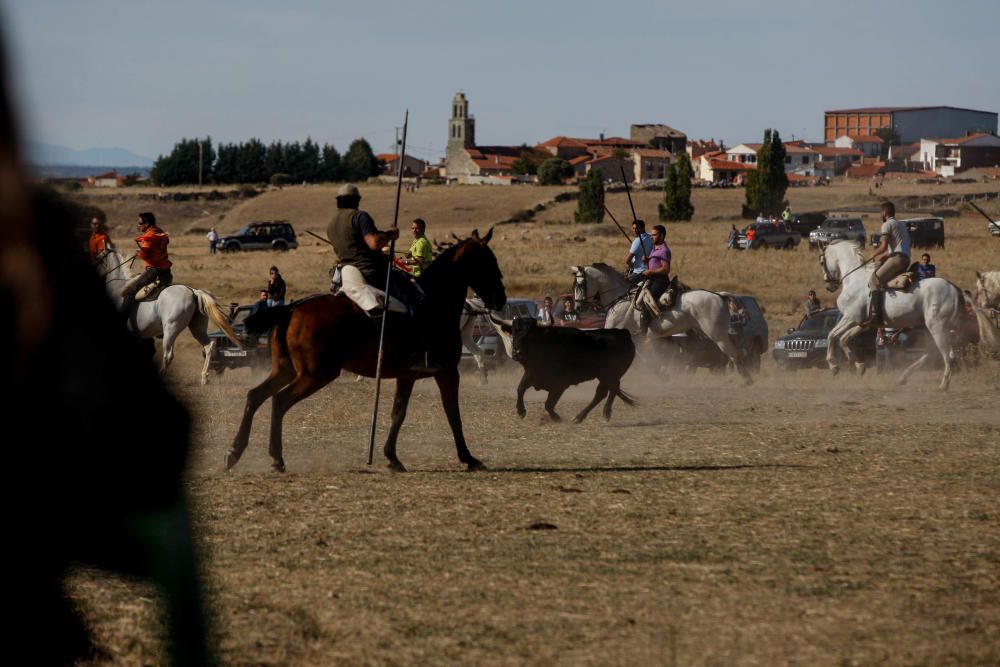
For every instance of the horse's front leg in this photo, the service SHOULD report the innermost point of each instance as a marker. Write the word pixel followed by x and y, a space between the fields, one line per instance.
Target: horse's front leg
pixel 404 387
pixel 207 351
pixel 447 381
pixel 522 387
pixel 255 398
pixel 849 356
pixel 832 340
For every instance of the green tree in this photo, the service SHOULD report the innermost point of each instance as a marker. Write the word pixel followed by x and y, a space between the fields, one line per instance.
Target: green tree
pixel 251 164
pixel 181 167
pixel 590 207
pixel 330 168
pixel 766 185
pixel 677 191
pixel 359 162
pixel 553 171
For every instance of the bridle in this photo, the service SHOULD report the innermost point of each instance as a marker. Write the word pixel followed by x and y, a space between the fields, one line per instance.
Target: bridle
pixel 832 284
pixel 580 282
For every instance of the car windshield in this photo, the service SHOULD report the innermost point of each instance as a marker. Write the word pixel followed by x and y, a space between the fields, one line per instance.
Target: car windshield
pixel 819 322
pixel 242 231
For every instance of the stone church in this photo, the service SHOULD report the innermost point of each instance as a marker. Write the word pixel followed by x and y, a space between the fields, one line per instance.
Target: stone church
pixel 468 163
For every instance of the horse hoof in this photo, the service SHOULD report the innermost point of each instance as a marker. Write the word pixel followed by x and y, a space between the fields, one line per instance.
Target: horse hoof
pixel 279 466
pixel 554 417
pixel 835 370
pixel 396 466
pixel 232 458
pixel 475 466
pixel 861 369
pixel 522 413
pixel 579 418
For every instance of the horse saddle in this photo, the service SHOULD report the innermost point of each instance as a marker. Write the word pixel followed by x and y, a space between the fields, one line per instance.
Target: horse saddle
pixel 146 293
pixel 348 279
pixel 903 281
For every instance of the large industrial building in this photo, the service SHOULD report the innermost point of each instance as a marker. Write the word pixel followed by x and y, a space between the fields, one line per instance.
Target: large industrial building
pixel 910 123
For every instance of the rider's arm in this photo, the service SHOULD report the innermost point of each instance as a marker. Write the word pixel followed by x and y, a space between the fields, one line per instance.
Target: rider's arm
pixel 379 240
pixel 882 247
pixel 663 270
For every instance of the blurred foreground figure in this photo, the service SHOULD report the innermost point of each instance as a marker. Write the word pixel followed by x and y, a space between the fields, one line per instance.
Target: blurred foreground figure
pixel 94 479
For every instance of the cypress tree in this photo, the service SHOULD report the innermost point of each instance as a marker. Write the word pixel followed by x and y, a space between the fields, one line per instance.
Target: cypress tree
pixel 766 185
pixel 330 164
pixel 590 207
pixel 677 191
pixel 359 162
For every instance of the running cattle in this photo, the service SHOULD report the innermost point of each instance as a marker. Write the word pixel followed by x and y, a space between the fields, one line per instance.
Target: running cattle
pixel 555 358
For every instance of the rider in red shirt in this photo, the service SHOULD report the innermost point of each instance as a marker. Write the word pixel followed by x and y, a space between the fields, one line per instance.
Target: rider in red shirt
pixel 153 250
pixel 99 242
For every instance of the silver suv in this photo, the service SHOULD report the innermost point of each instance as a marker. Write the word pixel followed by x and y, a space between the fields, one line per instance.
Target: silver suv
pixel 834 229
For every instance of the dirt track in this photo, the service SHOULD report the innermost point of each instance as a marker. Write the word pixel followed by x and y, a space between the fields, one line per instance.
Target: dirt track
pixel 805 520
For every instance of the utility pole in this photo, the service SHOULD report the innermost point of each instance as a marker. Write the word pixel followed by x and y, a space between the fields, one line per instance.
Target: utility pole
pixel 399 158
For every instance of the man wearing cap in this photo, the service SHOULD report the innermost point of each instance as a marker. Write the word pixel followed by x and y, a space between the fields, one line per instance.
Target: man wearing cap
pixel 356 240
pixel 358 244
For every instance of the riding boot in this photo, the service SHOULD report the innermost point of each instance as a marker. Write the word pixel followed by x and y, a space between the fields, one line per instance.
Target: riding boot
pixel 874 318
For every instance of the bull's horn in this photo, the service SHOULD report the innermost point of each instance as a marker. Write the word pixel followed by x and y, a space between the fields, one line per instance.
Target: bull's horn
pixel 497 320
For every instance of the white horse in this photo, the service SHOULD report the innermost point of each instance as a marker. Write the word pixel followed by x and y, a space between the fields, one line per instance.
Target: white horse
pixel 176 307
pixel 702 310
pixel 988 289
pixel 933 302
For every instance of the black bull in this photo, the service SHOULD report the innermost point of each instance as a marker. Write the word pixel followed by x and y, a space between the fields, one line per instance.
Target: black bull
pixel 555 358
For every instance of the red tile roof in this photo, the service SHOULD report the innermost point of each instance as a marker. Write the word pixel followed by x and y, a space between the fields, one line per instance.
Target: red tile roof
pixel 833 150
pixel 864 170
pixel 651 152
pixel 579 158
pixel 728 165
pixel 865 138
pixel 563 142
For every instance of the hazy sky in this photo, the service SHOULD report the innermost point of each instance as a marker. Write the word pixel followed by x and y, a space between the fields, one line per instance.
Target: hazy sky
pixel 142 75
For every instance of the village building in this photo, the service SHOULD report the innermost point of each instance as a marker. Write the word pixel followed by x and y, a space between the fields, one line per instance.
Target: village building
pixel 834 161
pixel 909 123
pixel 715 167
pixel 411 166
pixel 948 156
pixel 699 147
pixel 110 179
pixel 663 137
pixel 799 159
pixel 650 164
pixel 869 145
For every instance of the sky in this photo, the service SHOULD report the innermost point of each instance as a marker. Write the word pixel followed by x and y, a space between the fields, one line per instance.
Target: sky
pixel 142 75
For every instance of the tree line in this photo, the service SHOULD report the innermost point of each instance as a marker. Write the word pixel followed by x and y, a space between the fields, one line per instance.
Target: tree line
pixel 196 160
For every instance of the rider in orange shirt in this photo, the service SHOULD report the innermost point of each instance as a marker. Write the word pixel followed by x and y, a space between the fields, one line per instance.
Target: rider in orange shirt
pixel 153 250
pixel 100 242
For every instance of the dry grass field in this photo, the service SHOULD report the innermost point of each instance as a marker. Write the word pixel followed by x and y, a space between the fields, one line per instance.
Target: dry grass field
pixel 804 520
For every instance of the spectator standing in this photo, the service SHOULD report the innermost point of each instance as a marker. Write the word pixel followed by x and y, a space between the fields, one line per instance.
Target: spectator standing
pixel 925 269
pixel 733 235
pixel 544 315
pixel 812 304
pixel 786 215
pixel 213 240
pixel 275 288
pixel 569 313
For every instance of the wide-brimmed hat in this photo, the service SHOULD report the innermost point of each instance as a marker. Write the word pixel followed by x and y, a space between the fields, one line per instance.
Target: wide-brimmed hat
pixel 348 190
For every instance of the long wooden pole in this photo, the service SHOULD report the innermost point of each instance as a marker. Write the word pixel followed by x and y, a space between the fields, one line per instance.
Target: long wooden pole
pixel 632 206
pixel 385 312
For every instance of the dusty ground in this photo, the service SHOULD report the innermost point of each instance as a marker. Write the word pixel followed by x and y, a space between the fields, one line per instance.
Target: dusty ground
pixel 805 520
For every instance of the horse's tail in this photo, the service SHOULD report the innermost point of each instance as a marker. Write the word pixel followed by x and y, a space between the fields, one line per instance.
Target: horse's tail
pixel 266 319
pixel 625 397
pixel 211 308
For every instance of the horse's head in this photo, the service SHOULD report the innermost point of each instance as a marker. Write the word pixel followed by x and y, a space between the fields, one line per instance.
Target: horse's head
pixel 580 294
pixel 832 281
pixel 482 272
pixel 597 283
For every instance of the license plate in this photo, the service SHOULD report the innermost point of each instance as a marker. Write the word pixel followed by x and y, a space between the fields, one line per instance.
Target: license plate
pixel 234 353
pixel 798 355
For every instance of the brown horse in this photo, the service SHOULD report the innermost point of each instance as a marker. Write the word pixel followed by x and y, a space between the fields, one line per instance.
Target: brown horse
pixel 314 339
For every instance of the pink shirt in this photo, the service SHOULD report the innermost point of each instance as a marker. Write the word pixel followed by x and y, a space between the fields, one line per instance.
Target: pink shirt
pixel 659 257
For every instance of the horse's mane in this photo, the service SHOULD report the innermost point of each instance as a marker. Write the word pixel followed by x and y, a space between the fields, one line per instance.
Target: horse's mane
pixel 603 268
pixel 856 244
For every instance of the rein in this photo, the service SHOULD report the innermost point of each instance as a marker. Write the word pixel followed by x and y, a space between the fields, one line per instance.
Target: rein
pixel 838 281
pixel 115 268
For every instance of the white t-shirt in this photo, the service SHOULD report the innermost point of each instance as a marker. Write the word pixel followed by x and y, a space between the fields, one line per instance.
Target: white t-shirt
pixel 899 237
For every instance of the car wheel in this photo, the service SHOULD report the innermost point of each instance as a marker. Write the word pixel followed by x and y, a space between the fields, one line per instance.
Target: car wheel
pixel 280 246
pixel 233 247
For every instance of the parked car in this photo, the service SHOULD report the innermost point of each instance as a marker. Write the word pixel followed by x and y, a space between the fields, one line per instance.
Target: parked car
pixel 993 227
pixel 803 223
pixel 692 350
pixel 805 345
pixel 266 235
pixel 833 229
pixel 769 235
pixel 924 232
pixel 256 352
pixel 486 337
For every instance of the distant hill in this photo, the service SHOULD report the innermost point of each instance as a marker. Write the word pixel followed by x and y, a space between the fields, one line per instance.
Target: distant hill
pixel 53 155
pixel 68 171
